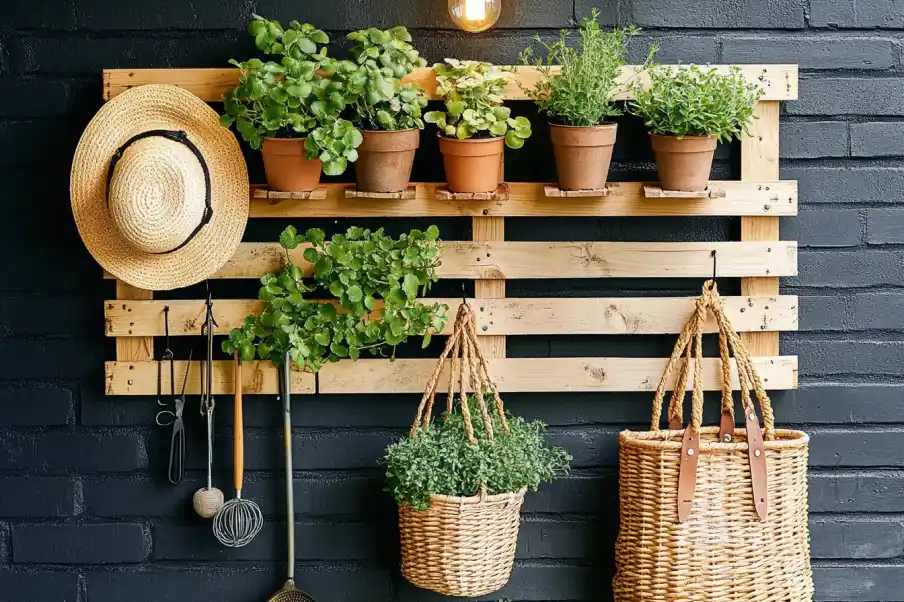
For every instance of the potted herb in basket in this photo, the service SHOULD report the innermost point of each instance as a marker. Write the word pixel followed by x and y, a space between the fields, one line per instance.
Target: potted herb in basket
pixel 292 109
pixel 375 282
pixel 688 110
pixel 475 125
pixel 387 111
pixel 460 481
pixel 578 98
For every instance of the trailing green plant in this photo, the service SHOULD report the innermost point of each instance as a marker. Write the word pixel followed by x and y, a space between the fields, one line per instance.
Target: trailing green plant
pixel 439 459
pixel 295 97
pixel 375 282
pixel 690 101
pixel 381 100
pixel 473 95
pixel 578 85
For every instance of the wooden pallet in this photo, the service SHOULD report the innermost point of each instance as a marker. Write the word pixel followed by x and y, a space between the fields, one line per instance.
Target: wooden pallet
pixel 759 259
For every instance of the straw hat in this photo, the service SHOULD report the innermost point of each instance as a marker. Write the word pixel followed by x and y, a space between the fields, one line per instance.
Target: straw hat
pixel 159 188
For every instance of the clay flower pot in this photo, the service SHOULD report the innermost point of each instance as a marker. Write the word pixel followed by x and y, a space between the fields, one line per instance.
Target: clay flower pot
pixel 583 155
pixel 385 160
pixel 288 170
pixel 683 164
pixel 472 165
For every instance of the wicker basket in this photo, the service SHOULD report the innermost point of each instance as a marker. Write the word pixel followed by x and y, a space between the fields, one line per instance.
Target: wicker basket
pixel 713 514
pixel 461 546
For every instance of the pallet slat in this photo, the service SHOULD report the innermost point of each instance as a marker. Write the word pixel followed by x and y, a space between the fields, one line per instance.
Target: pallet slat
pixel 527 199
pixel 779 82
pixel 613 374
pixel 618 315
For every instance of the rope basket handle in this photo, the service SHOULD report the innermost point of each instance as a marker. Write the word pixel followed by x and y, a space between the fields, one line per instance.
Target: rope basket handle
pixel 690 344
pixel 468 369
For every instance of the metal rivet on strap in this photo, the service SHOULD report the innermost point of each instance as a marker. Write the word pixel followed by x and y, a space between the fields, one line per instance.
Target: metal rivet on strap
pixel 726 438
pixel 752 416
pixel 690 452
pixel 757 453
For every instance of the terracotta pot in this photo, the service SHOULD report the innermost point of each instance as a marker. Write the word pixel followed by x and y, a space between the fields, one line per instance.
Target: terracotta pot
pixel 288 170
pixel 683 164
pixel 583 154
pixel 473 165
pixel 385 160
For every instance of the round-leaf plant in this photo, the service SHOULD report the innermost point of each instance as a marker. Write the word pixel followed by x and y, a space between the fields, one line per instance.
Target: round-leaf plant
pixel 473 95
pixel 440 461
pixel 375 282
pixel 690 101
pixel 381 100
pixel 578 84
pixel 295 97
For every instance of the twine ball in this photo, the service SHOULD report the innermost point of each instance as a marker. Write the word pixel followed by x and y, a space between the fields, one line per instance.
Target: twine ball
pixel 207 502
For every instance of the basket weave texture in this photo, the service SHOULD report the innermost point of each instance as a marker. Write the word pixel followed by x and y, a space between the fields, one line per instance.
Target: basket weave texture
pixel 725 550
pixel 461 546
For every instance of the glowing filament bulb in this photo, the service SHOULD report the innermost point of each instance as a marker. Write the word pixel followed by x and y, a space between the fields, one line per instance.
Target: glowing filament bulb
pixel 475 15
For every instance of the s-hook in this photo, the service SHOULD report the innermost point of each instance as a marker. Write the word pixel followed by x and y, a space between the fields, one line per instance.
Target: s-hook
pixel 176 468
pixel 713 255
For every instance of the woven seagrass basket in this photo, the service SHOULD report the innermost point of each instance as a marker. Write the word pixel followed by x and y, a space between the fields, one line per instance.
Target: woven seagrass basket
pixel 713 514
pixel 461 546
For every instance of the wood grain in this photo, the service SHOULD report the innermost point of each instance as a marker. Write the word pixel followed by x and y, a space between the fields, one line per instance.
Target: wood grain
pixel 616 315
pixel 133 349
pixel 489 229
pixel 409 375
pixel 779 82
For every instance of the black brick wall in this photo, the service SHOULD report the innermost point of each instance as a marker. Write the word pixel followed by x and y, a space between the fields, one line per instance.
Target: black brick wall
pixel 84 515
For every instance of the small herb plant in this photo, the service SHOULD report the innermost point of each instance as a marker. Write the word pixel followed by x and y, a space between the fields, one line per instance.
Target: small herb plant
pixel 381 100
pixel 295 97
pixel 375 281
pixel 690 101
pixel 581 92
pixel 439 460
pixel 473 96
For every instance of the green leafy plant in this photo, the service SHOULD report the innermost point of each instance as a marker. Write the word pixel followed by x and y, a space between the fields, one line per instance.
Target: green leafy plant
pixel 295 97
pixel 690 101
pixel 578 85
pixel 439 459
pixel 375 282
pixel 473 96
pixel 381 100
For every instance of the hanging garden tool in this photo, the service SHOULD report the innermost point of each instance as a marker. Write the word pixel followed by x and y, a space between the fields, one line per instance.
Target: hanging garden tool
pixel 208 500
pixel 716 528
pixel 173 418
pixel 289 592
pixel 239 520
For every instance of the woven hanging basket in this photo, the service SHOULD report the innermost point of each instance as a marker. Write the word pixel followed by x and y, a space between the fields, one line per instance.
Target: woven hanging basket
pixel 713 514
pixel 461 546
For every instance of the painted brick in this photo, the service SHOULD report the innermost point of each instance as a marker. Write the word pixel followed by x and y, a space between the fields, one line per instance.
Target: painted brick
pixel 50 358
pixel 45 316
pixel 827 358
pixel 26 98
pixel 839 403
pixel 160 14
pixel 40 586
pixel 321 582
pixel 848 96
pixel 86 452
pixel 847 183
pixel 119 543
pixel 28 142
pixel 681 48
pixel 858 312
pixel 884 226
pixel 856 14
pixel 814 139
pixel 846 269
pixel 22 497
pixel 44 15
pixel 871 447
pixel 857 583
pixel 36 406
pixel 532 583
pixel 857 537
pixel 733 14
pixel 877 139
pixel 831 228
pixel 811 52
pixel 857 491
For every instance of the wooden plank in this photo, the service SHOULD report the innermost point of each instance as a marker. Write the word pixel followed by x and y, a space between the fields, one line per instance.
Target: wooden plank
pixel 616 315
pixel 710 192
pixel 132 349
pixel 140 378
pixel 407 194
pixel 528 199
pixel 779 82
pixel 489 229
pixel 542 374
pixel 760 161
pixel 259 192
pixel 555 192
pixel 612 374
pixel 500 194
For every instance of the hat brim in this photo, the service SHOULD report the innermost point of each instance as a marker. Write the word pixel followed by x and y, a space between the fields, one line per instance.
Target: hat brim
pixel 138 110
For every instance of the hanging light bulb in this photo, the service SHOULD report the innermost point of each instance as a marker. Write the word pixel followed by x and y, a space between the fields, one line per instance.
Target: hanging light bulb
pixel 475 15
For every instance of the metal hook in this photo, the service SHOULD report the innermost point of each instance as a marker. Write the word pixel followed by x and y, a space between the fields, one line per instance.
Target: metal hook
pixel 713 255
pixel 464 295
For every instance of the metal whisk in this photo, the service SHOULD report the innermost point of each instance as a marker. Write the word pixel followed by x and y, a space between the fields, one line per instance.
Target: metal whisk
pixel 239 520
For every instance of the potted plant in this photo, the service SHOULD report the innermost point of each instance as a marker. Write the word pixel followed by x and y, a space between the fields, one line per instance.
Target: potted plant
pixel 578 98
pixel 475 125
pixel 292 109
pixel 688 110
pixel 375 282
pixel 387 111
